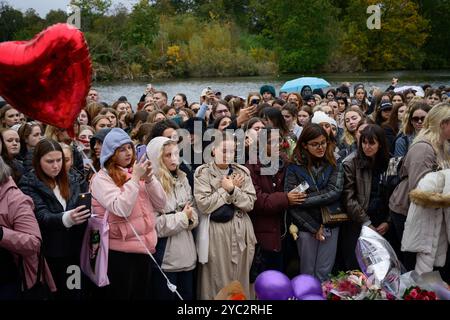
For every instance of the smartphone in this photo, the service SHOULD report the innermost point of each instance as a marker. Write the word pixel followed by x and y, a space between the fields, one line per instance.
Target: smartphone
pixel 141 151
pixel 85 199
pixel 326 232
pixel 302 187
pixel 255 101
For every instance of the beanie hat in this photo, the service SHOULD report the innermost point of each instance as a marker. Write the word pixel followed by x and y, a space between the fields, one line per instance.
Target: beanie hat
pixel 100 136
pixel 319 117
pixel 267 88
pixel 113 140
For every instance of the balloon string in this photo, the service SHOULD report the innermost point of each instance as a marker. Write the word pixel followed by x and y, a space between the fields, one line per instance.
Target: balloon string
pixel 170 285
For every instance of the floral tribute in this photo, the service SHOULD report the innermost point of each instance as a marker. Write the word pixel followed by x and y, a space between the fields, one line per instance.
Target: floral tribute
pixel 353 285
pixel 416 293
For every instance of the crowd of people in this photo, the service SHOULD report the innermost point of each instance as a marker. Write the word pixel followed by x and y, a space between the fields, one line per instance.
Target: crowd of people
pixel 208 223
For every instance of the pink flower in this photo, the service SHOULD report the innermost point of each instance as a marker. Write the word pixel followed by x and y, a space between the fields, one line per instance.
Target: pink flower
pixel 414 294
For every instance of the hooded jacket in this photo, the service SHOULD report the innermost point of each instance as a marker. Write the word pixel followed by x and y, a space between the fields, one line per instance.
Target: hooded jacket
pixel 134 203
pixel 180 253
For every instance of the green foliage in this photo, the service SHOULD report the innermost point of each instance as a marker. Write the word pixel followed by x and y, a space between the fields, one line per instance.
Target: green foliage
pixel 397 45
pixel 437 46
pixel 11 20
pixel 210 38
pixel 55 16
pixel 297 30
pixel 142 24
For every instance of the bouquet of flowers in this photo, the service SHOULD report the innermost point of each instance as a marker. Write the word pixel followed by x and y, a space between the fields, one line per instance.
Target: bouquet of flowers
pixel 416 293
pixel 353 285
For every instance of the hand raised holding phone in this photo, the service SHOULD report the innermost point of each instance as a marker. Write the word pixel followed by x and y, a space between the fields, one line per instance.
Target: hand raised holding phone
pixel 80 214
pixel 141 170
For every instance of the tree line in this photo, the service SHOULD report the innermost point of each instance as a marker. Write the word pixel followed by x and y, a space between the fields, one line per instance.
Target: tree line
pixel 219 38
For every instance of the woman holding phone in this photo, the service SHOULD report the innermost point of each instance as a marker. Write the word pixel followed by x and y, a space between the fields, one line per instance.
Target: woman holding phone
pixel 61 220
pixel 131 198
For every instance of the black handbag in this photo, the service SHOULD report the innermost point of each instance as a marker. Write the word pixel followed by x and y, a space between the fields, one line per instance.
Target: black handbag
pixel 40 290
pixel 257 266
pixel 224 214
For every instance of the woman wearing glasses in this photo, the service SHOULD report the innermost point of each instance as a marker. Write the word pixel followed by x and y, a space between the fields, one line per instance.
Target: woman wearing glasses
pixel 313 162
pixel 413 125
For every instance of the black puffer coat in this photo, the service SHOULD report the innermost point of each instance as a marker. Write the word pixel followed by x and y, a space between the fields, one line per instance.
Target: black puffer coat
pixel 58 241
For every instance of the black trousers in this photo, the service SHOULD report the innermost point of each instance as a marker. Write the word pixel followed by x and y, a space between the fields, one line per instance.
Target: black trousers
pixel 58 267
pixel 184 280
pixel 129 276
pixel 407 258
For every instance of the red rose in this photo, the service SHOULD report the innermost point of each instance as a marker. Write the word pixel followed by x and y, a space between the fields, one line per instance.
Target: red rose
pixel 414 294
pixel 432 295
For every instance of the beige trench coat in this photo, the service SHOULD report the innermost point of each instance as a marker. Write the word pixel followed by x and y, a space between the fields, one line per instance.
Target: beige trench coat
pixel 231 244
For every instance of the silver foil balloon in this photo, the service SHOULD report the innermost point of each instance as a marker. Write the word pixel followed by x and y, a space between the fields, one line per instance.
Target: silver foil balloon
pixel 377 259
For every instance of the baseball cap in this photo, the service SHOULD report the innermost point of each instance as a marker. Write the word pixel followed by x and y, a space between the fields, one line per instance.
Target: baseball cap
pixel 205 91
pixel 385 105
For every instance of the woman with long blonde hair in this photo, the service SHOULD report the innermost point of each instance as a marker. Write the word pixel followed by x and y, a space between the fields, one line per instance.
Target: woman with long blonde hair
pixel 429 152
pixel 175 250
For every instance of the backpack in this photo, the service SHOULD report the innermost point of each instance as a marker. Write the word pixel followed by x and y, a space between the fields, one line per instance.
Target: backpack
pixel 391 178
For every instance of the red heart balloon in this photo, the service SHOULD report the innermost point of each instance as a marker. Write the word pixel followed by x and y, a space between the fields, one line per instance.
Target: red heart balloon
pixel 48 77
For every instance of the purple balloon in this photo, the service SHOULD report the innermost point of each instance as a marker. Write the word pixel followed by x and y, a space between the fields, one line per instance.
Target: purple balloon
pixel 312 297
pixel 273 285
pixel 306 284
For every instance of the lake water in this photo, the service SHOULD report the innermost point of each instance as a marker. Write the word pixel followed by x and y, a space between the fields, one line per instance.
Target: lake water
pixel 109 92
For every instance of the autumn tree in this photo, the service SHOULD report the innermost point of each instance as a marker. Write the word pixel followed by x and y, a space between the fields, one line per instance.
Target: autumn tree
pixel 437 46
pixel 11 20
pixel 397 45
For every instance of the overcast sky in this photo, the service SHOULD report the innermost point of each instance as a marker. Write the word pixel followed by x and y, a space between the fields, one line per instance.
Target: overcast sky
pixel 42 7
